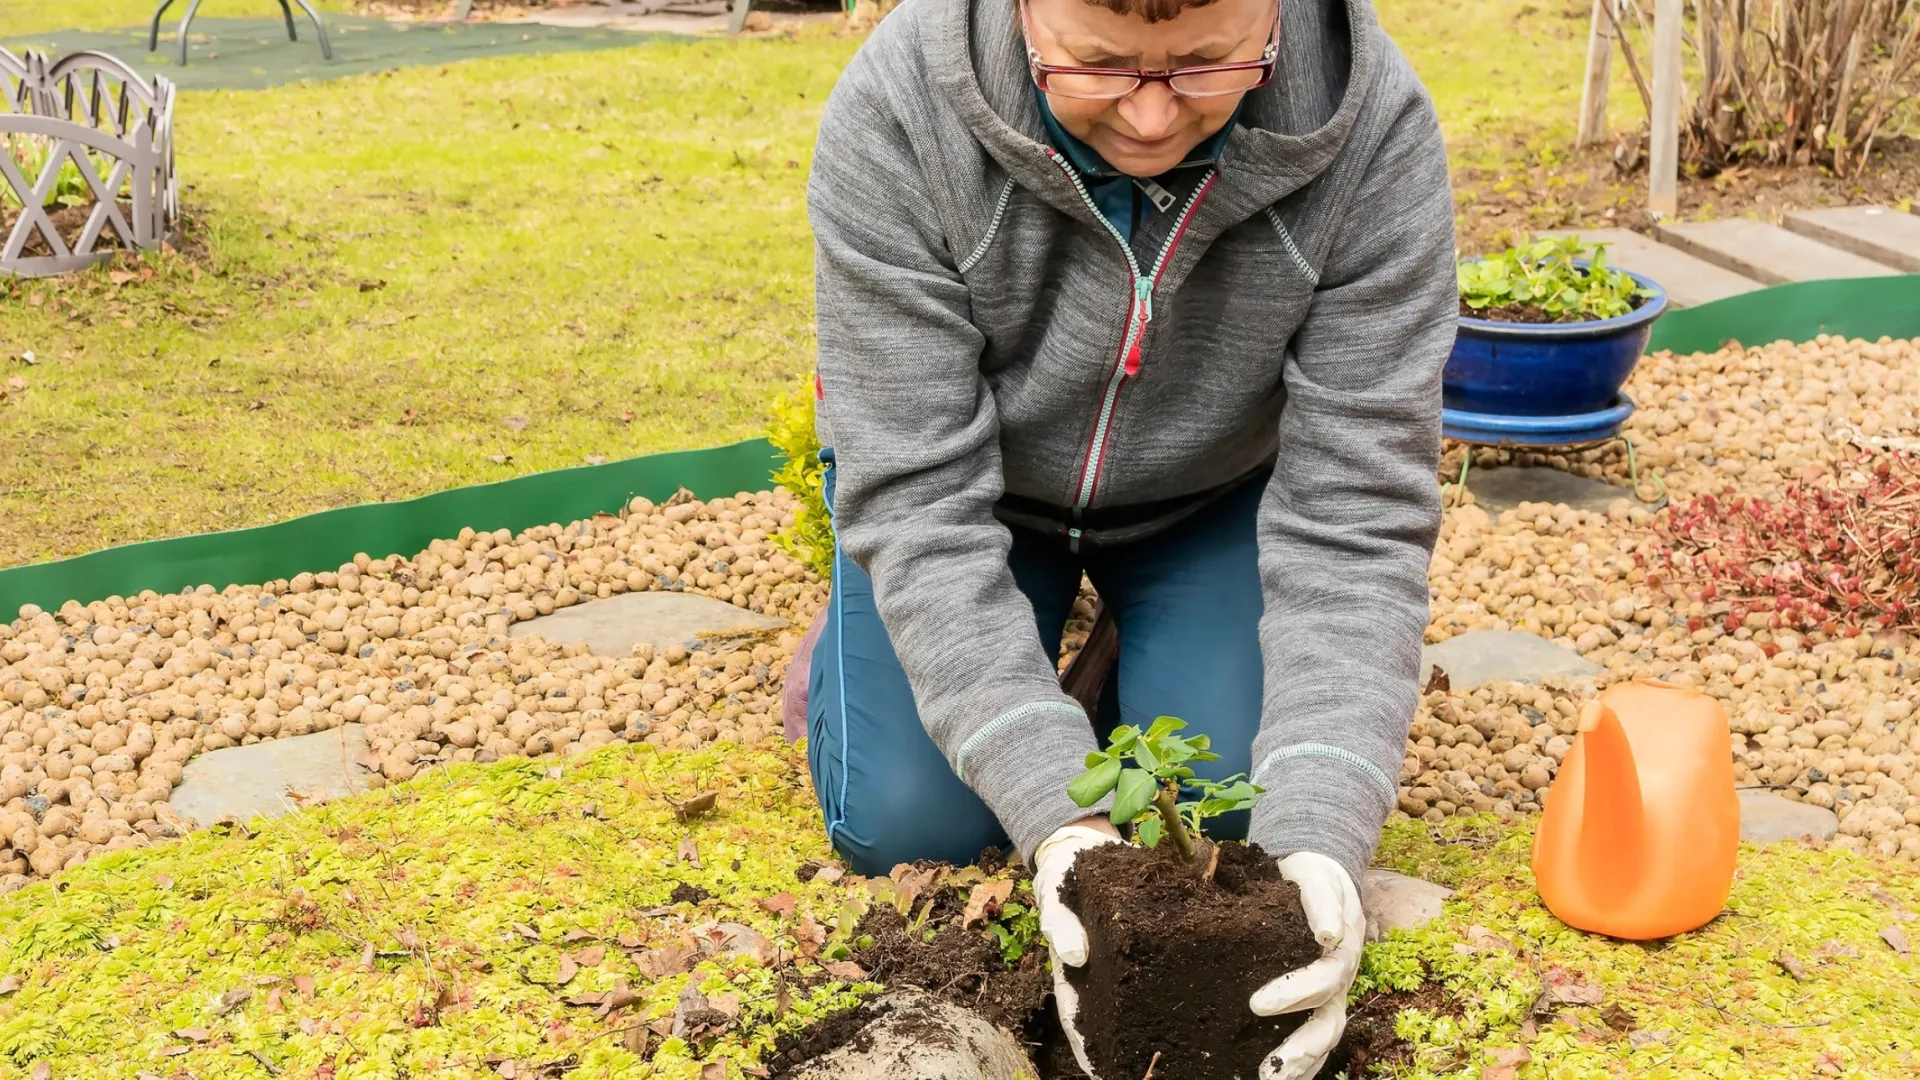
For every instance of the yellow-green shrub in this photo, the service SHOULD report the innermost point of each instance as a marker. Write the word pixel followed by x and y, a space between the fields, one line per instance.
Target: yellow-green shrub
pixel 792 433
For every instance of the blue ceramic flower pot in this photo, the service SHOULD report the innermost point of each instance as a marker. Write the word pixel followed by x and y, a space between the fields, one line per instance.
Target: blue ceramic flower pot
pixel 1547 369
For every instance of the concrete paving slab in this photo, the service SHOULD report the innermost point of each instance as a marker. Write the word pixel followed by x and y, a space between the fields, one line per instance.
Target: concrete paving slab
pixel 1689 280
pixel 1880 233
pixel 1767 253
pixel 1398 902
pixel 249 781
pixel 612 627
pixel 1485 656
pixel 1766 818
pixel 1505 487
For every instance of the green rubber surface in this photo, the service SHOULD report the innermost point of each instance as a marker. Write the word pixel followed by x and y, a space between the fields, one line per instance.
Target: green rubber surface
pixel 1867 308
pixel 325 540
pixel 254 54
pixel 1864 308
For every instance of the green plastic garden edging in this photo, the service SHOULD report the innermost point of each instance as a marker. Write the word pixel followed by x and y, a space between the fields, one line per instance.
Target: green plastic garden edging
pixel 325 540
pixel 1863 308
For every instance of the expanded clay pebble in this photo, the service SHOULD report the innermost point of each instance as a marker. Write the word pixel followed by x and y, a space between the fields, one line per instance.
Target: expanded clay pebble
pixel 101 705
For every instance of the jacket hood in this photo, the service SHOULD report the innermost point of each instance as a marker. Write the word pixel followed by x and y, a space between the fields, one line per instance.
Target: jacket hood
pixel 1287 132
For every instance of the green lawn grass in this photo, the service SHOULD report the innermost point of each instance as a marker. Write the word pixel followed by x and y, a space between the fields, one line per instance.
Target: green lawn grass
pixel 402 283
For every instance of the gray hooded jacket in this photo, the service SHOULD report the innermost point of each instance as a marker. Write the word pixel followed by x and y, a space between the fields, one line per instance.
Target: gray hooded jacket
pixel 989 345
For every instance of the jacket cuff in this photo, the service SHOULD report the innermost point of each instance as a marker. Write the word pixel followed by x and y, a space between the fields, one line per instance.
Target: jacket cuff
pixel 1323 799
pixel 1020 764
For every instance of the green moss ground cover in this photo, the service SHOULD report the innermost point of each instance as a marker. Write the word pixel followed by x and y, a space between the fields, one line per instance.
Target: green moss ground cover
pixel 422 930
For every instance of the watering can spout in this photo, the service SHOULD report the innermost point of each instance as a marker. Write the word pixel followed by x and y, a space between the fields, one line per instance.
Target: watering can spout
pixel 1613 853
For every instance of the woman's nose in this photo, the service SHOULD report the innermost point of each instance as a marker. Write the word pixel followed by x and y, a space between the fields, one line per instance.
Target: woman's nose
pixel 1151 110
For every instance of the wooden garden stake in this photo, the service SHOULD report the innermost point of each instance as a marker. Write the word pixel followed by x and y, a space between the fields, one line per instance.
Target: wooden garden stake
pixel 1663 197
pixel 1593 96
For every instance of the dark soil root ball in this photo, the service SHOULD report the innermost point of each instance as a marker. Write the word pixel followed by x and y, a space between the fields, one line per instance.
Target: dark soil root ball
pixel 1173 959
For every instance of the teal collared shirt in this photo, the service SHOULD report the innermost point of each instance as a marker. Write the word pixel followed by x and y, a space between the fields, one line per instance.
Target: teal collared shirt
pixel 1126 201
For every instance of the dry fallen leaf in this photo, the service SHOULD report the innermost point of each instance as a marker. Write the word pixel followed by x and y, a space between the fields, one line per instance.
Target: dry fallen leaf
pixel 232 1000
pixel 198 1035
pixel 9 984
pixel 304 984
pixel 596 459
pixel 1792 966
pixel 714 1070
pixel 591 957
pixel 725 1003
pixel 515 423
pixel 845 971
pixel 694 807
pixel 1618 1018
pixel 527 932
pixel 176 1051
pixel 664 962
pixel 42 1071
pixel 1897 939
pixel 635 1040
pixel 689 853
pixel 272 1004
pixel 1482 938
pixel 1563 988
pixel 1641 1039
pixel 985 898
pixel 779 904
pixel 1437 682
pixel 366 956
pixel 568 969
pixel 16 384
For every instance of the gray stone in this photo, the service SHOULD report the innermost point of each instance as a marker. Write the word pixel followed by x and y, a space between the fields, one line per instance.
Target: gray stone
pixel 922 1038
pixel 1766 818
pixel 249 781
pixel 612 627
pixel 1398 902
pixel 1766 253
pixel 1485 656
pixel 1505 487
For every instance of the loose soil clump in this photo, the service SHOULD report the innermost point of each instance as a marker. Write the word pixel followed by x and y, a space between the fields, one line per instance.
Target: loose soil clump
pixel 1173 958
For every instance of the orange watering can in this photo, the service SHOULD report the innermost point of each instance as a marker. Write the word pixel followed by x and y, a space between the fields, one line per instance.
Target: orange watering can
pixel 1642 825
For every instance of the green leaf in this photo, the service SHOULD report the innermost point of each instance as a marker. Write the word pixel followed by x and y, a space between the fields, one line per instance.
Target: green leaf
pixel 1089 786
pixel 1131 795
pixel 1095 758
pixel 1150 831
pixel 1122 739
pixel 1165 726
pixel 1143 753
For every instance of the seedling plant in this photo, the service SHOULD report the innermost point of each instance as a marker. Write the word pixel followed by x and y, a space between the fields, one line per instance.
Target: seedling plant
pixel 1546 275
pixel 1147 796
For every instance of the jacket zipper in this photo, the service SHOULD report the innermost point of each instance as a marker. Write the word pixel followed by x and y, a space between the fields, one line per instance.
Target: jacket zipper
pixel 1139 316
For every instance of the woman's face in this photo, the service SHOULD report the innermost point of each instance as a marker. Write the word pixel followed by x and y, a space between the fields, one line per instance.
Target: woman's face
pixel 1151 130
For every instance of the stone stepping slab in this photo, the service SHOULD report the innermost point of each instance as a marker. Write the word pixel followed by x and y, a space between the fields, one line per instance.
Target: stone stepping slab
pixel 1485 656
pixel 612 627
pixel 263 779
pixel 1767 253
pixel 1689 280
pixel 1880 233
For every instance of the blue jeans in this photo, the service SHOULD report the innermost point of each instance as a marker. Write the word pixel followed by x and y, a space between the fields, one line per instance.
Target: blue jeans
pixel 1188 604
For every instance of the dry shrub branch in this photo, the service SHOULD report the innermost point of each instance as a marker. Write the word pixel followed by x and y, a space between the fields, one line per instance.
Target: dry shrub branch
pixel 1802 82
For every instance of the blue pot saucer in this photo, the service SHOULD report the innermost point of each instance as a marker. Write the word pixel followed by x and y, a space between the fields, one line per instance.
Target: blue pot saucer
pixel 1579 429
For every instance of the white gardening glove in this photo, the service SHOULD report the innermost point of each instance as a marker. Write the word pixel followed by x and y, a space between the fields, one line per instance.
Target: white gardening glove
pixel 1334 914
pixel 1066 938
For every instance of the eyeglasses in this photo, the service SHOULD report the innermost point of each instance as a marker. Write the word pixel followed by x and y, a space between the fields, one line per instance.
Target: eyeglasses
pixel 1112 84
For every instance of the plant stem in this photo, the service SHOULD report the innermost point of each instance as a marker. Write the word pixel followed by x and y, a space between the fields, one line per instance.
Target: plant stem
pixel 1176 829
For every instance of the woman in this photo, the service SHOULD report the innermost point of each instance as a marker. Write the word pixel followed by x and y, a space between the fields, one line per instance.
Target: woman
pixel 1158 291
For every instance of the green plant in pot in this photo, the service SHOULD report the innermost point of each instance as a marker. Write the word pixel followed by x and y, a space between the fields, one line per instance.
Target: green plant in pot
pixel 1547 339
pixel 1548 281
pixel 1181 930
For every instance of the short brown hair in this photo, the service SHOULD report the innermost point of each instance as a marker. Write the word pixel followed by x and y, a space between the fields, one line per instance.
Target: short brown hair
pixel 1151 10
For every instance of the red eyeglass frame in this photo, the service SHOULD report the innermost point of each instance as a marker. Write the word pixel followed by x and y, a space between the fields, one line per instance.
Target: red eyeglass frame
pixel 1041 70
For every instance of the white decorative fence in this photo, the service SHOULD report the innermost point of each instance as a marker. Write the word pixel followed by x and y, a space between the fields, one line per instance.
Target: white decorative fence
pixel 86 162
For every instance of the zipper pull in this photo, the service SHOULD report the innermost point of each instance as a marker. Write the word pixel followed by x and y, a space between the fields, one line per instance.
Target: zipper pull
pixel 1143 314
